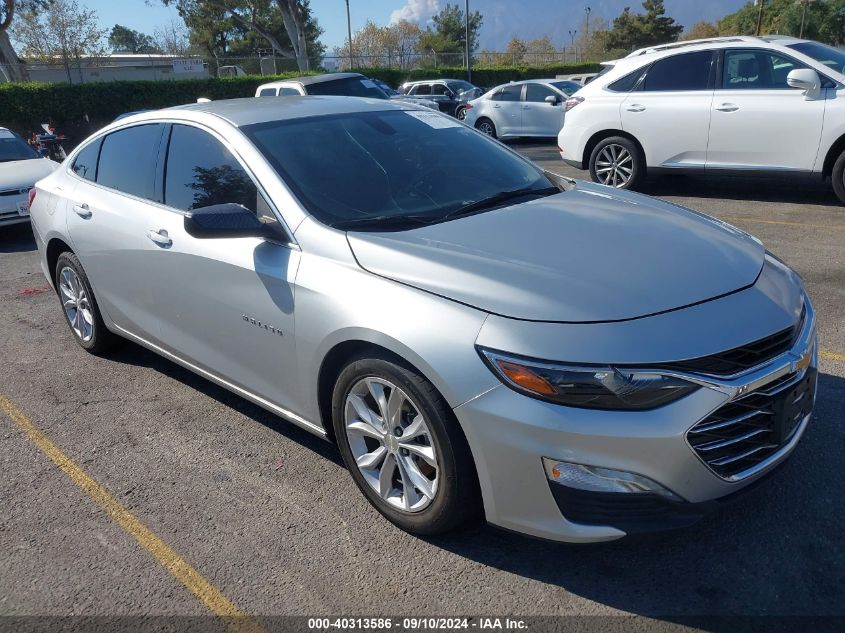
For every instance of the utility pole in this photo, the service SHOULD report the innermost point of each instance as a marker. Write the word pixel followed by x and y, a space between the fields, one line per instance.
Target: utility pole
pixel 349 34
pixel 466 40
pixel 760 4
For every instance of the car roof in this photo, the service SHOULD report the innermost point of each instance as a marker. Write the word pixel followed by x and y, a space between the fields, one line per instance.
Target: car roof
pixel 431 81
pixel 309 80
pixel 250 110
pixel 716 42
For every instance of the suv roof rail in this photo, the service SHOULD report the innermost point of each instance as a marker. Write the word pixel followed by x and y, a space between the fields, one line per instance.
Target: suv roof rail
pixel 670 46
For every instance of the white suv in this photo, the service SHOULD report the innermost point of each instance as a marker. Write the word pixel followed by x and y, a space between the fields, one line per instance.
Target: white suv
pixel 736 104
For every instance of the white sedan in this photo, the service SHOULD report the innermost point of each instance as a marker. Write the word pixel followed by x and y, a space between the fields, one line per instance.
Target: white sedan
pixel 20 168
pixel 522 108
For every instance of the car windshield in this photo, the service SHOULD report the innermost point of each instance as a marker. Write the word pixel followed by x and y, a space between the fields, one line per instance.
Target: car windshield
pixel 831 57
pixel 348 87
pixel 13 147
pixel 567 87
pixel 382 169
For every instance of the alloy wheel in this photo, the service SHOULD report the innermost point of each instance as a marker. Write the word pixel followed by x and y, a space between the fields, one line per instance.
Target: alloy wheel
pixel 391 444
pixel 462 114
pixel 614 166
pixel 76 304
pixel 486 128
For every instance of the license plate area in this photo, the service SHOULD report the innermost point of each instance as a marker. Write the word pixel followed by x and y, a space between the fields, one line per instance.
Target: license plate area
pixel 792 406
pixel 23 208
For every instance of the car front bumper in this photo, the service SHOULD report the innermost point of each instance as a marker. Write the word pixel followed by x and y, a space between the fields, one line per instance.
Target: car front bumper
pixel 9 208
pixel 510 434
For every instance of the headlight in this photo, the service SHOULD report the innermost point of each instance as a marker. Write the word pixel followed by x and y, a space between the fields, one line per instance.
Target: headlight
pixel 585 386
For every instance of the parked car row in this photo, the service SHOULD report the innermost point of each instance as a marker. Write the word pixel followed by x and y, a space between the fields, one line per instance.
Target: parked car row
pixel 21 166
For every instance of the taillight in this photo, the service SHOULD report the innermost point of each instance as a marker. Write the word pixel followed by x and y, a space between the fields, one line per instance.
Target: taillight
pixel 572 102
pixel 468 106
pixel 31 197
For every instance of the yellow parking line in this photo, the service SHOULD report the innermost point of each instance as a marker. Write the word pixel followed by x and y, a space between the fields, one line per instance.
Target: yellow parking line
pixel 236 620
pixel 729 218
pixel 831 355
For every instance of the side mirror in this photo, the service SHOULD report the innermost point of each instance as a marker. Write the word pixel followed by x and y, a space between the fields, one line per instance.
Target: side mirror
pixel 229 220
pixel 805 79
pixel 552 100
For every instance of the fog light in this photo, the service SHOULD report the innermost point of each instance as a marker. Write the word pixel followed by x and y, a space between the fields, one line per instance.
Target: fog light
pixel 596 479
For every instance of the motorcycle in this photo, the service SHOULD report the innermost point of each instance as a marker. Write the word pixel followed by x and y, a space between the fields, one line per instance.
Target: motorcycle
pixel 48 143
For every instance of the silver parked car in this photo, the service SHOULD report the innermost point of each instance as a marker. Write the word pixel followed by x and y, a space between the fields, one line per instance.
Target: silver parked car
pixel 521 108
pixel 475 334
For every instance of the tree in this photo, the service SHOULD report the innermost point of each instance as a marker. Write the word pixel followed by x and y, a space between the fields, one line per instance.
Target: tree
pixel 12 68
pixel 286 26
pixel 540 50
pixel 122 39
pixel 515 52
pixel 824 20
pixel 172 39
pixel 66 31
pixel 635 30
pixel 449 31
pixel 701 30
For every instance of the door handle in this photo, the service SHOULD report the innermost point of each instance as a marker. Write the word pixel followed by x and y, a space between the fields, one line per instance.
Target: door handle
pixel 496 105
pixel 727 107
pixel 635 107
pixel 82 211
pixel 160 237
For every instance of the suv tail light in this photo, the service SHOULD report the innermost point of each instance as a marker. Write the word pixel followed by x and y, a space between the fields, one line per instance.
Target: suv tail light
pixel 31 197
pixel 572 102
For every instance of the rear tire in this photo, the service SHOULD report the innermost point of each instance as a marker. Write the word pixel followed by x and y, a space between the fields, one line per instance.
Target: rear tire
pixel 617 162
pixel 838 177
pixel 486 126
pixel 461 113
pixel 373 390
pixel 80 306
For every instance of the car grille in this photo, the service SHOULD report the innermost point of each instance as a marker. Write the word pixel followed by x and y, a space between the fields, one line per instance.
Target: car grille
pixel 742 358
pixel 745 432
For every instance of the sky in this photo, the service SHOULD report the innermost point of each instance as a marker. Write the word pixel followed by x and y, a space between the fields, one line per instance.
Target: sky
pixel 502 18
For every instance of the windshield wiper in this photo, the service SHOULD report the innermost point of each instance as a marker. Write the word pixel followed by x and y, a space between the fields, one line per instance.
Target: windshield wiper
pixel 380 221
pixel 497 199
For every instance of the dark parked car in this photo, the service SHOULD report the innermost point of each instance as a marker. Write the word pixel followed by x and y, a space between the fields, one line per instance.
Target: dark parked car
pixel 447 93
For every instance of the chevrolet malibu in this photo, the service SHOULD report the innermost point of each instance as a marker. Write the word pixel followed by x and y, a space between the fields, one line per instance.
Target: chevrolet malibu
pixel 477 336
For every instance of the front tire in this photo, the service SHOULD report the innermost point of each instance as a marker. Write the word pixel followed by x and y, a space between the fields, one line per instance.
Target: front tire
pixel 80 306
pixel 838 178
pixel 617 162
pixel 403 448
pixel 486 126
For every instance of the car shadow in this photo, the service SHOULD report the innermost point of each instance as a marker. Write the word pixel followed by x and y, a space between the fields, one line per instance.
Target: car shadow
pixel 133 354
pixel 17 238
pixel 779 551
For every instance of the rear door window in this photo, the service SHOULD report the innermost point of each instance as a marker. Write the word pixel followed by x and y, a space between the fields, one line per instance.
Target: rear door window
pixel 267 92
pixel 508 93
pixel 128 159
pixel 685 72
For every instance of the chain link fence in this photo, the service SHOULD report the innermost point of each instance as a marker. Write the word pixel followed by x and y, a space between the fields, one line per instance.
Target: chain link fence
pixel 157 67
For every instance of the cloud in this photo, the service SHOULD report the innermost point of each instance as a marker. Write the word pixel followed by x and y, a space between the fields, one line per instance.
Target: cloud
pixel 419 11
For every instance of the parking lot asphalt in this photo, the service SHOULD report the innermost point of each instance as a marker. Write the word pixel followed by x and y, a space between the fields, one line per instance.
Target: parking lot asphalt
pixel 268 518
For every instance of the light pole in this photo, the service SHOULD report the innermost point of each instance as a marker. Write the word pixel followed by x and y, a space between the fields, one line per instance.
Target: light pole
pixel 759 4
pixel 349 34
pixel 572 34
pixel 466 42
pixel 804 4
pixel 588 11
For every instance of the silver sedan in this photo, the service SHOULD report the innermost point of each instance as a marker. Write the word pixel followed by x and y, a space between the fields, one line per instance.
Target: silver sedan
pixel 479 337
pixel 522 108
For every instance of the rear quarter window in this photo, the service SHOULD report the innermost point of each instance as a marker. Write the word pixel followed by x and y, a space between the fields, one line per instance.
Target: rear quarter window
pixel 85 163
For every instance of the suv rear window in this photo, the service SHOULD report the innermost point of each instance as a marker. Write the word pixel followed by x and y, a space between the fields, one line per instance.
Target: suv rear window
pixel 687 71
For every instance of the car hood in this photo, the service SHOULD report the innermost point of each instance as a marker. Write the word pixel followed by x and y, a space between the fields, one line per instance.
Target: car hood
pixel 18 174
pixel 586 255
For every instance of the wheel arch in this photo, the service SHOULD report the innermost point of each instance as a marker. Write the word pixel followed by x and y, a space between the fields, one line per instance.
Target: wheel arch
pixel 598 137
pixel 832 154
pixel 55 247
